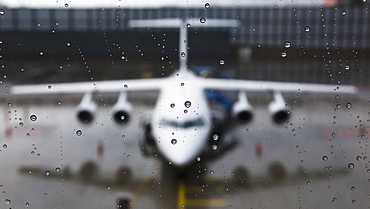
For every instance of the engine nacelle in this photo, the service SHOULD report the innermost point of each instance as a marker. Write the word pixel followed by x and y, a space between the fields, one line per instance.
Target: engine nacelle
pixel 242 111
pixel 121 111
pixel 278 110
pixel 86 109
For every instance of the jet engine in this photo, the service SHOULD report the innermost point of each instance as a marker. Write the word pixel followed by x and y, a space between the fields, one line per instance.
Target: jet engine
pixel 278 110
pixel 86 109
pixel 242 111
pixel 121 111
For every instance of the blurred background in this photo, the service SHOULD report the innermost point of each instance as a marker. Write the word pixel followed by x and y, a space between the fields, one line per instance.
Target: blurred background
pixel 318 159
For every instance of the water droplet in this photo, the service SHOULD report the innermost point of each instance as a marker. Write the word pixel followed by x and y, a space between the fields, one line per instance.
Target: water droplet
pixel 198 159
pixel 183 54
pixel 348 105
pixel 41 53
pixel 334 199
pixel 59 103
pixel 49 86
pixel 287 44
pixel 346 67
pixel 8 201
pixel 172 105
pixel 353 188
pixel 173 141
pixel 222 62
pixel 10 104
pixel 187 104
pixel 307 29
pixel 351 166
pixel 214 147
pixel 215 137
pixel 47 173
pixel 283 54
pixel 2 11
pixel 27 204
pixel 108 187
pixel 5 146
pixel 325 158
pixel 211 172
pixel 358 158
pixel 207 5
pixel 344 12
pixel 185 111
pixel 125 86
pixel 21 124
pixel 33 117
pixel 354 201
pixel 66 5
pixel 79 132
pixel 57 169
pixel 188 25
pixel 202 20
pixel 68 44
pixel 182 84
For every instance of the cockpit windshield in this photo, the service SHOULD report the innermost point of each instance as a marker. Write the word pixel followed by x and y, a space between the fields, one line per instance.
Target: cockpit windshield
pixel 187 124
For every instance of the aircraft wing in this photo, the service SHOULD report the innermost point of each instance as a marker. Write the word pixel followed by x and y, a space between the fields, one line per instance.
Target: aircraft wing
pixel 263 86
pixel 90 86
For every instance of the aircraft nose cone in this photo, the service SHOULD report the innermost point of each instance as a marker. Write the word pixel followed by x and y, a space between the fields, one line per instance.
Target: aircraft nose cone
pixel 181 151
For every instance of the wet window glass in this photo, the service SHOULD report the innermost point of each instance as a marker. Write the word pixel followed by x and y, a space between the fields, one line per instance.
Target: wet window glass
pixel 184 104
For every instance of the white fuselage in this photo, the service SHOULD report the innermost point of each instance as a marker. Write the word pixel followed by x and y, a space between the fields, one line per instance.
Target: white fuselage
pixel 181 120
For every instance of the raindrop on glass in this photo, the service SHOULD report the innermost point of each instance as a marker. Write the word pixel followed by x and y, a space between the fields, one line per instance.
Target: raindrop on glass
pixel 49 86
pixel 66 5
pixel 307 29
pixel 358 158
pixel 79 132
pixel 214 147
pixel 57 169
pixel 47 173
pixel 41 53
pixel 202 20
pixel 344 12
pixel 346 67
pixel 325 158
pixel 207 5
pixel 351 166
pixel 5 146
pixel 211 172
pixel 187 104
pixel 172 105
pixel 188 25
pixel 283 54
pixel 215 137
pixel 33 117
pixel 2 11
pixel 182 54
pixel 8 201
pixel 287 44
pixel 353 188
pixel 198 159
pixel 222 62
pixel 348 105
pixel 173 141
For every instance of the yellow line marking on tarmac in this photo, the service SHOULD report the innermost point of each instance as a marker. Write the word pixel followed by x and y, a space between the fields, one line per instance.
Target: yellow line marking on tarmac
pixel 140 190
pixel 194 189
pixel 206 203
pixel 181 195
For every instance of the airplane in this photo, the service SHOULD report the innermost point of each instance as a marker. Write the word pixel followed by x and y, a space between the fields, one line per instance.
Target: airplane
pixel 181 128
